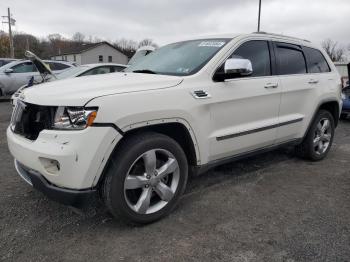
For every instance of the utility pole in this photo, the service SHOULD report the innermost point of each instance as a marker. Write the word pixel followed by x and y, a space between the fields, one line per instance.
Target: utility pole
pixel 259 15
pixel 10 22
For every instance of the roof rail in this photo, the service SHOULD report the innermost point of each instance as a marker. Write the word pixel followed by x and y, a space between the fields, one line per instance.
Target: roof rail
pixel 292 37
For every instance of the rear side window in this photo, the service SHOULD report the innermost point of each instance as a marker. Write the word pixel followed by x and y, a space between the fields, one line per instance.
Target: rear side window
pixel 258 53
pixel 316 63
pixel 57 66
pixel 290 61
pixel 117 68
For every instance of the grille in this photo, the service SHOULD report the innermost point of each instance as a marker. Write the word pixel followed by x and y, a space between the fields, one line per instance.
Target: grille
pixel 29 120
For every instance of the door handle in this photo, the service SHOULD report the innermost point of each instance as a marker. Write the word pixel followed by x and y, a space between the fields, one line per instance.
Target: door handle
pixel 313 81
pixel 271 85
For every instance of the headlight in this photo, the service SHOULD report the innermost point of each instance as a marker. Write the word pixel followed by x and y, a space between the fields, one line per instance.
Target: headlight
pixel 74 118
pixel 343 96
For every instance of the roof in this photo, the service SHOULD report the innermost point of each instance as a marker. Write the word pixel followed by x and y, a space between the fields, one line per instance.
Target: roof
pixel 232 35
pixel 78 49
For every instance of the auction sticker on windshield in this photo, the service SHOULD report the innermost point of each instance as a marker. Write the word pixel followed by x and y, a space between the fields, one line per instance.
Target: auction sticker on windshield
pixel 212 43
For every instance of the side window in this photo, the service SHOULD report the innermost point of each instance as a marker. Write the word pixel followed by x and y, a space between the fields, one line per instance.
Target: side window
pixel 26 67
pixel 110 59
pixel 100 58
pixel 58 66
pixel 258 53
pixel 116 68
pixel 316 63
pixel 97 71
pixel 290 61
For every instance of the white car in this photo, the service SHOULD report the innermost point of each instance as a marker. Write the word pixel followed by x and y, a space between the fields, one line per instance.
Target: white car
pixel 141 53
pixel 134 137
pixel 83 70
pixel 17 73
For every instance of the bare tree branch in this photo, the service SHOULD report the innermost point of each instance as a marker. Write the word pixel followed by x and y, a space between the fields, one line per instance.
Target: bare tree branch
pixel 335 52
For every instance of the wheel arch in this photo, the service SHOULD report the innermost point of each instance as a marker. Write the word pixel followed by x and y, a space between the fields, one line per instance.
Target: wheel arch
pixel 332 106
pixel 177 129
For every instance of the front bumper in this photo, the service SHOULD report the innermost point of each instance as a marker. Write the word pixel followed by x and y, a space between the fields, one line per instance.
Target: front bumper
pixel 76 198
pixel 67 159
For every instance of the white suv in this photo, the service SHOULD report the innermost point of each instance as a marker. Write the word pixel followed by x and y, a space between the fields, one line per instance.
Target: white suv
pixel 133 137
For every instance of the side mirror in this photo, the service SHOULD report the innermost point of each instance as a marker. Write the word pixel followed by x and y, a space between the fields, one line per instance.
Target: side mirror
pixel 8 71
pixel 238 66
pixel 234 67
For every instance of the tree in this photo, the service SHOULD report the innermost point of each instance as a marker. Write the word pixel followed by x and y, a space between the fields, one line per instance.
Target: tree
pixel 4 44
pixel 78 37
pixel 335 52
pixel 147 42
pixel 23 42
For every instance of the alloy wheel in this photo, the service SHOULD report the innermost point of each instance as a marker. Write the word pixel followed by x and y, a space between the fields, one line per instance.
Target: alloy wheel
pixel 151 181
pixel 323 136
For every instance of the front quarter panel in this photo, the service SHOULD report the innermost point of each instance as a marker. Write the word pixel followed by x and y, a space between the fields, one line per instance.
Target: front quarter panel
pixel 133 110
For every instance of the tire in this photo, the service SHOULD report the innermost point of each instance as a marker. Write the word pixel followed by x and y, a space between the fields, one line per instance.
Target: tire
pixel 311 148
pixel 343 116
pixel 128 186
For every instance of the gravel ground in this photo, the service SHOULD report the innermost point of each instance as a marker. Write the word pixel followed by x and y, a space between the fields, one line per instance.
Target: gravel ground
pixel 272 207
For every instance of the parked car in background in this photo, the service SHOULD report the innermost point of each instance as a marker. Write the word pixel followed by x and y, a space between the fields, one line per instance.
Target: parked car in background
pixel 344 71
pixel 79 71
pixel 17 73
pixel 4 61
pixel 91 69
pixel 141 53
pixel 346 102
pixel 132 138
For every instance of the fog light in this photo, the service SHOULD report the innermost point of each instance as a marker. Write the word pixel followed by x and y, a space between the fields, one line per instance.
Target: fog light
pixel 50 165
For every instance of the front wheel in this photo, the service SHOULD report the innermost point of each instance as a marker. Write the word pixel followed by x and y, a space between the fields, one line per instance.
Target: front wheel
pixel 145 178
pixel 319 138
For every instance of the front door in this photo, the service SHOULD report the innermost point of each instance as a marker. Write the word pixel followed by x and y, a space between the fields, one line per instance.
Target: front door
pixel 244 111
pixel 21 75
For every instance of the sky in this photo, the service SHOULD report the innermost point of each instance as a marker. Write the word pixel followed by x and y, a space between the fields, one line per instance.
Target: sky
pixel 166 21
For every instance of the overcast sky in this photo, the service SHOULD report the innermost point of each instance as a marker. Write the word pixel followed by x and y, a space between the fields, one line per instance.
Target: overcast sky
pixel 170 20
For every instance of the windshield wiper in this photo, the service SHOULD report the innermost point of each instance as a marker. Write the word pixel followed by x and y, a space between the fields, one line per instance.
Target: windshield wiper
pixel 144 71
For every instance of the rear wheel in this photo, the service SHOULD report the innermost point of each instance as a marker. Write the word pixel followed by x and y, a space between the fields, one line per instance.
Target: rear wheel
pixel 145 179
pixel 319 138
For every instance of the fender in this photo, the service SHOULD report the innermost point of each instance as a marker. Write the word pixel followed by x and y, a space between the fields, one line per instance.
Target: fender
pixel 322 102
pixel 154 122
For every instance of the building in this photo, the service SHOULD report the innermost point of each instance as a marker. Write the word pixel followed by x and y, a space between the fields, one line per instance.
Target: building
pixel 344 71
pixel 102 52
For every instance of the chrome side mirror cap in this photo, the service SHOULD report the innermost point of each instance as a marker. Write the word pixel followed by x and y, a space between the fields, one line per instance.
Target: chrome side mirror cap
pixel 238 66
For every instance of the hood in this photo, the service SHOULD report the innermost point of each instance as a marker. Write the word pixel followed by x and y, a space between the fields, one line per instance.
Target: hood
pixel 39 64
pixel 78 91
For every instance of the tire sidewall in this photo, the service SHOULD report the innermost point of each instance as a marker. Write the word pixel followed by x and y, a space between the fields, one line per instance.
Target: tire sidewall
pixel 119 166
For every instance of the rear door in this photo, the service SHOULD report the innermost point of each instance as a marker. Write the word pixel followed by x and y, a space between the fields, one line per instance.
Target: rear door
pixel 244 111
pixel 300 90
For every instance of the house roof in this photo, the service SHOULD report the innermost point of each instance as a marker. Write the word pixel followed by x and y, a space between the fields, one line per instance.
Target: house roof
pixel 78 49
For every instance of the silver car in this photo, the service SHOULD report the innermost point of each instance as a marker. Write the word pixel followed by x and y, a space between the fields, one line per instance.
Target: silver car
pixel 4 61
pixel 17 73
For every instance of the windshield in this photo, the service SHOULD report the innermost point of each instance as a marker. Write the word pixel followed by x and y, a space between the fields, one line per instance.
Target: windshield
pixel 180 59
pixel 71 72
